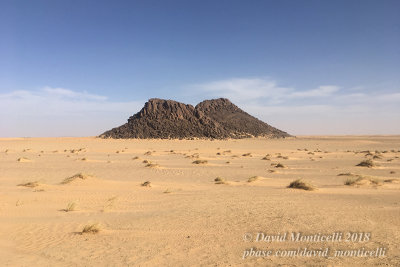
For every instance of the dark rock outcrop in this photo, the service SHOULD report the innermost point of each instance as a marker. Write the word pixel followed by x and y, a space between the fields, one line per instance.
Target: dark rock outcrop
pixel 215 119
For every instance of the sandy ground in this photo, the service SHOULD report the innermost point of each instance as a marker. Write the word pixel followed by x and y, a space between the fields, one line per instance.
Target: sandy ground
pixel 183 218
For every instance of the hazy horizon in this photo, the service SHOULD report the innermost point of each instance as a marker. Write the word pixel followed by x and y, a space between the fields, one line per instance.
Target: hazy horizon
pixel 304 67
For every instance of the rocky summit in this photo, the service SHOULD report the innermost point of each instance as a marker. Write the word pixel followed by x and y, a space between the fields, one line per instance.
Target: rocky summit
pixel 213 119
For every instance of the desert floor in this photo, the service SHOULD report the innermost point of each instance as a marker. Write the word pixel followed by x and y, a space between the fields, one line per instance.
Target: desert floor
pixel 184 218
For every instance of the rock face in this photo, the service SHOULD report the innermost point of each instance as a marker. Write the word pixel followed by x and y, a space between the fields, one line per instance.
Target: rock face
pixel 215 119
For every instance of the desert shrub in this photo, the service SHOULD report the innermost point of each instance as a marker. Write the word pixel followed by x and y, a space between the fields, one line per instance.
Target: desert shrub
pixel 300 184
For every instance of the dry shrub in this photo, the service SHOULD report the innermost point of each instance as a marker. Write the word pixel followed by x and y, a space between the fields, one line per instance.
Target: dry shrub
pixel 362 180
pixel 279 165
pixel 152 165
pixel 200 161
pixel 30 184
pixel 91 229
pixel 147 184
pixel 70 207
pixel 77 176
pixel 366 163
pixel 219 180
pixel 300 184
pixel 253 179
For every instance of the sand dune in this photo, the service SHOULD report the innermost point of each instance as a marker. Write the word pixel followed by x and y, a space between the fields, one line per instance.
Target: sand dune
pixel 170 211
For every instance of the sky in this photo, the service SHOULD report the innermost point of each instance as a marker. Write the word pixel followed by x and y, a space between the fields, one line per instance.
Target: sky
pixel 308 67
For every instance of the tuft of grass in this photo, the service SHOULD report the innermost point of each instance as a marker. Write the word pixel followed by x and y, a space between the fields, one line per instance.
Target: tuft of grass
pixel 219 180
pixel 70 207
pixel 279 165
pixel 267 157
pixel 300 184
pixel 366 163
pixel 30 184
pixel 360 180
pixel 77 176
pixel 393 180
pixel 148 153
pixel 109 204
pixel 39 190
pixel 145 161
pixel 135 158
pixel 23 159
pixel 253 179
pixel 350 181
pixel 91 229
pixel 247 155
pixel 147 183
pixel 346 174
pixel 152 165
pixel 167 191
pixel 200 161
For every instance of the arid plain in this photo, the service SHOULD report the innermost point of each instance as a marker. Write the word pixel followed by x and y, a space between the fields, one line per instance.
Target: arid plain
pixel 85 201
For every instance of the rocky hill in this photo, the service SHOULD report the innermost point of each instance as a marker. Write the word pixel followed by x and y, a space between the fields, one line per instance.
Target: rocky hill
pixel 215 119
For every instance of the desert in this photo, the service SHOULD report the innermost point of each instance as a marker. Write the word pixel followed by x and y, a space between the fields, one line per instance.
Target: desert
pixel 199 133
pixel 112 209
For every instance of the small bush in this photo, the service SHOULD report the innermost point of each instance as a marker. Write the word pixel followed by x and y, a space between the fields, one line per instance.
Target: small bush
pixel 393 180
pixel 30 184
pixel 279 165
pixel 366 163
pixel 23 159
pixel 91 229
pixel 200 161
pixel 361 180
pixel 300 184
pixel 346 174
pixel 253 179
pixel 219 180
pixel 152 165
pixel 147 183
pixel 77 176
pixel 70 207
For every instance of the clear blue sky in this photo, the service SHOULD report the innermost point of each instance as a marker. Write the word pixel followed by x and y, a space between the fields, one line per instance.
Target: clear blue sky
pixel 294 64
